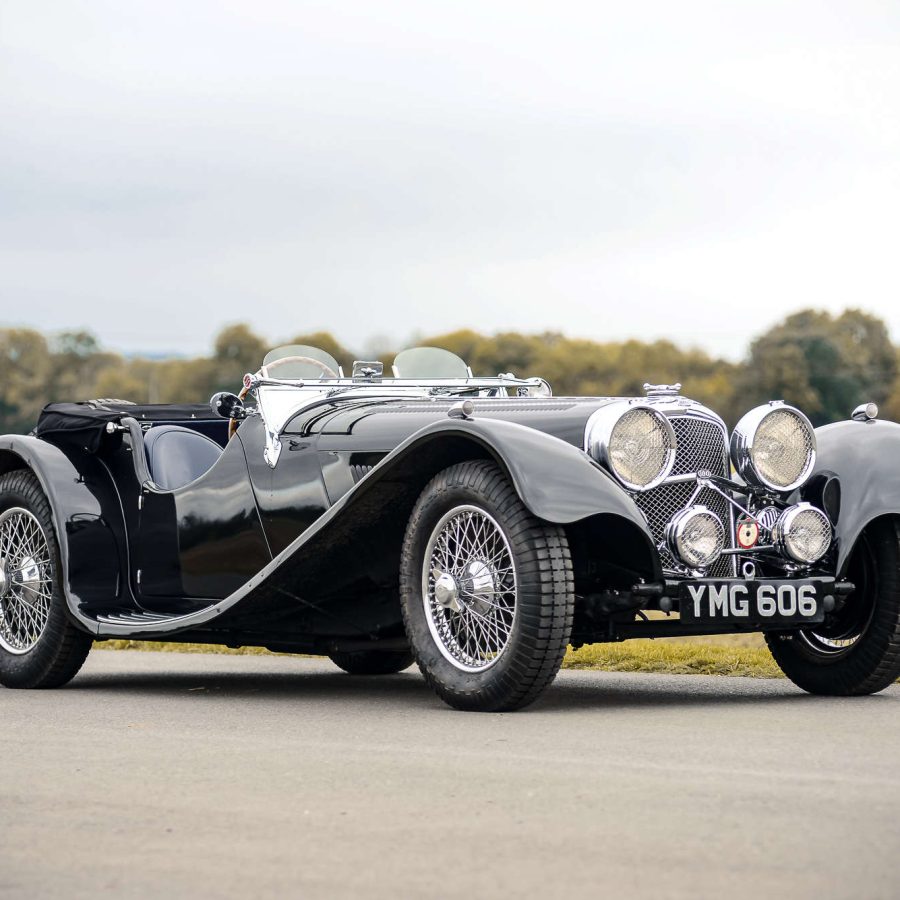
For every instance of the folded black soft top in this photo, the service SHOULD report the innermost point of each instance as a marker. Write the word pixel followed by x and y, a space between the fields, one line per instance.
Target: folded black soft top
pixel 84 423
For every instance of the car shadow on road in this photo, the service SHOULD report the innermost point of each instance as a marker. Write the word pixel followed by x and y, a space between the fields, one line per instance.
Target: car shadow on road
pixel 589 690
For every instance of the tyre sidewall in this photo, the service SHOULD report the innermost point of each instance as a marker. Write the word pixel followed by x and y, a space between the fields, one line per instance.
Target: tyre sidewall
pixel 873 661
pixel 494 681
pixel 30 668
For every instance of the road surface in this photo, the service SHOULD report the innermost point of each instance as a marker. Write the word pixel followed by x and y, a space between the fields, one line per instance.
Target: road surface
pixel 176 775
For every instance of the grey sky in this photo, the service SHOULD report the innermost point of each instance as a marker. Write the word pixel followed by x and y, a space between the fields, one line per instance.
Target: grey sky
pixel 691 170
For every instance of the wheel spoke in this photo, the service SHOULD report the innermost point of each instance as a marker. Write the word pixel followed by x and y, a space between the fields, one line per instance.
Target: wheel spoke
pixel 469 546
pixel 28 580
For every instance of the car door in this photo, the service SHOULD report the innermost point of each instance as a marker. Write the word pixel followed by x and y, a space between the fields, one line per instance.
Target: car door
pixel 199 542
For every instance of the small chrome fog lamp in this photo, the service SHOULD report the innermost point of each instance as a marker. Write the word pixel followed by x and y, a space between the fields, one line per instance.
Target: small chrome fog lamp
pixel 774 447
pixel 696 536
pixel 802 533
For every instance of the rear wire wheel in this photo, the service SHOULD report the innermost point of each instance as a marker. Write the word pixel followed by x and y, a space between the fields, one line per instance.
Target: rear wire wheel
pixel 857 650
pixel 372 662
pixel 40 647
pixel 486 591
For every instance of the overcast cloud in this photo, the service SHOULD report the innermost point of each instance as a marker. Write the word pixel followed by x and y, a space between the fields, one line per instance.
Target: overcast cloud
pixel 684 170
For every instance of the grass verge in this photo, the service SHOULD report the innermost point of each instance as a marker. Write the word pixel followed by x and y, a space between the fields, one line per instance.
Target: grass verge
pixel 675 658
pixel 665 657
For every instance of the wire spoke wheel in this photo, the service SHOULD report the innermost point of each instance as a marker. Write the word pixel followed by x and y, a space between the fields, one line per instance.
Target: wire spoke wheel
pixel 26 580
pixel 469 588
pixel 856 650
pixel 845 630
pixel 486 590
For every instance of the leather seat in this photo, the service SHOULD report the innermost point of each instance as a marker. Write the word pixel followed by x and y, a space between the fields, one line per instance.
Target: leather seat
pixel 177 456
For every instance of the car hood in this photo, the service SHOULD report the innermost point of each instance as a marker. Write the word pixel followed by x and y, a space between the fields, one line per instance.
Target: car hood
pixel 382 424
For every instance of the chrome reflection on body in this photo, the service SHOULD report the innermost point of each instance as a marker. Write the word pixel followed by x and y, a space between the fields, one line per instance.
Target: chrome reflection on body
pixel 696 537
pixel 802 533
pixel 469 588
pixel 774 447
pixel 279 400
pixel 26 582
pixel 635 442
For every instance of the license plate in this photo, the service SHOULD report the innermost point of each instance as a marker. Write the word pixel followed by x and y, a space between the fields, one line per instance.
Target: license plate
pixel 775 602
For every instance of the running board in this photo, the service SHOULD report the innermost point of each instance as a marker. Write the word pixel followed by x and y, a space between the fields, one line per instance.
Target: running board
pixel 133 623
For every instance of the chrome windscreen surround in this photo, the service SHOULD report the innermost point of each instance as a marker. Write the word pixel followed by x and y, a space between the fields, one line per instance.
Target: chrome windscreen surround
pixel 773 472
pixel 606 440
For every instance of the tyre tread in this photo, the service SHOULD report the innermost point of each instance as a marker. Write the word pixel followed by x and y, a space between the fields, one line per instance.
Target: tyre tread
pixel 62 648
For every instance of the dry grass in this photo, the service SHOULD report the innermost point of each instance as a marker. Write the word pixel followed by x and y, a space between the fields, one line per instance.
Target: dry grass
pixel 672 657
pixel 728 655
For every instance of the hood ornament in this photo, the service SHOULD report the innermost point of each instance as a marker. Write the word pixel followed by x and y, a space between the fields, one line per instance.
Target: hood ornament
pixel 658 391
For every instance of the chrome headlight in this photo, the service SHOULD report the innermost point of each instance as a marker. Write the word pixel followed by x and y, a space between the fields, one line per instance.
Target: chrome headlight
pixel 696 536
pixel 774 447
pixel 802 533
pixel 637 445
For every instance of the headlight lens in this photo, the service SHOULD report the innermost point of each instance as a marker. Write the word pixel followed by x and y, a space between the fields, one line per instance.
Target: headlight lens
pixel 696 536
pixel 637 445
pixel 774 447
pixel 803 533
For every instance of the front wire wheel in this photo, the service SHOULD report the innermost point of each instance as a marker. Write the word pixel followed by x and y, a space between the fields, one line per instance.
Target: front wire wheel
pixel 469 588
pixel 857 651
pixel 486 591
pixel 39 645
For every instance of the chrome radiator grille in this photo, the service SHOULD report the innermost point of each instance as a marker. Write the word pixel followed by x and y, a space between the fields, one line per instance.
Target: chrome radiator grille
pixel 701 445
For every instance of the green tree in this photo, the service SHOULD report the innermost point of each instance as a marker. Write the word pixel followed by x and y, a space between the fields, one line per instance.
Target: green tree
pixel 25 364
pixel 825 365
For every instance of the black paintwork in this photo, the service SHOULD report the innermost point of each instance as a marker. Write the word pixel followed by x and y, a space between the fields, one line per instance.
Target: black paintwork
pixel 305 555
pixel 865 459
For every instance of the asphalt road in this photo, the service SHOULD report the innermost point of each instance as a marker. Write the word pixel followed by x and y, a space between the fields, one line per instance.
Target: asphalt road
pixel 175 775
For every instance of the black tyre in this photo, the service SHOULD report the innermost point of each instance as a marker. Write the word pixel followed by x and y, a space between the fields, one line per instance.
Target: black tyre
pixel 856 651
pixel 486 591
pixel 372 662
pixel 39 645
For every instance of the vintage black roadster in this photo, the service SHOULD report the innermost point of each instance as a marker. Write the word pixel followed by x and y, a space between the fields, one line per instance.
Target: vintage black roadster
pixel 475 525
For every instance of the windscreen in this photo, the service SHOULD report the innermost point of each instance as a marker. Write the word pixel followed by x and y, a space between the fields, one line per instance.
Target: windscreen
pixel 300 361
pixel 429 362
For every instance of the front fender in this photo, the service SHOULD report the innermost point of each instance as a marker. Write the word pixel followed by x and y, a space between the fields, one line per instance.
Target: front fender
pixel 80 506
pixel 556 481
pixel 865 457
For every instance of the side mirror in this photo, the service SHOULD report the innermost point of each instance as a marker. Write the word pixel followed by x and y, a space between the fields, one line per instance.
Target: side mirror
pixel 228 406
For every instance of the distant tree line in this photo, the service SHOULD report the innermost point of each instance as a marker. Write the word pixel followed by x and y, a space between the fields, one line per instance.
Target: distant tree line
pixel 824 364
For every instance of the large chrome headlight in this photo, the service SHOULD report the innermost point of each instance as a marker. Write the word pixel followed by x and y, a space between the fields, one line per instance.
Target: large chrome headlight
pixel 774 447
pixel 637 445
pixel 803 533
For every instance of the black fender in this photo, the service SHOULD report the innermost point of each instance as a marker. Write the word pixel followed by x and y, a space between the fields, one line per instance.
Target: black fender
pixel 865 457
pixel 83 517
pixel 362 532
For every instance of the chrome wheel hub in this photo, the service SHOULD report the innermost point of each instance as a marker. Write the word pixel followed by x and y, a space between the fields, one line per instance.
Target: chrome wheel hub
pixel 26 580
pixel 469 588
pixel 446 591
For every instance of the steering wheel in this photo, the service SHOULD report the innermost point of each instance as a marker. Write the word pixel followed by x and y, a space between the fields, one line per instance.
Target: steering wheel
pixel 327 372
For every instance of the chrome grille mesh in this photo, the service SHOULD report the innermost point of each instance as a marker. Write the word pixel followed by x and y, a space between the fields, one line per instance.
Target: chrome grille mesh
pixel 701 445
